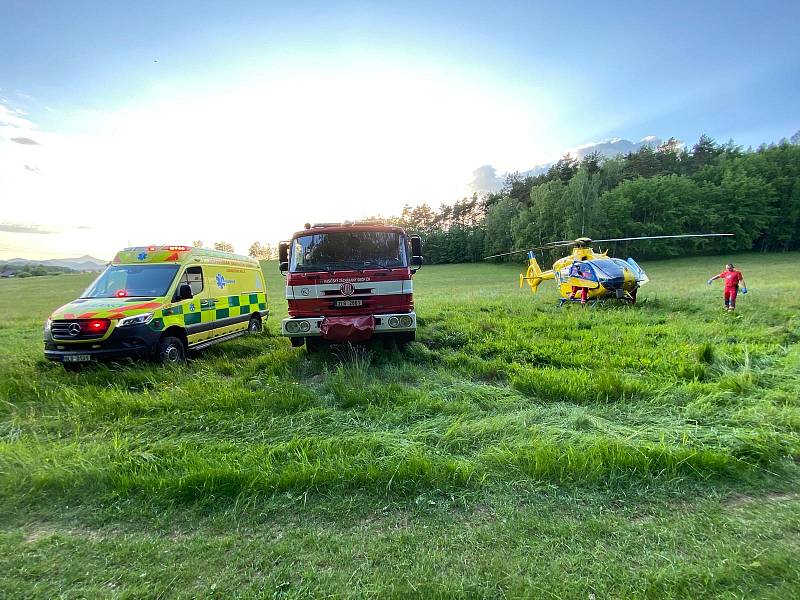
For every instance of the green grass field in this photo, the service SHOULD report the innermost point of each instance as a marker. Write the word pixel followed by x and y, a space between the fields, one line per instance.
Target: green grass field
pixel 516 450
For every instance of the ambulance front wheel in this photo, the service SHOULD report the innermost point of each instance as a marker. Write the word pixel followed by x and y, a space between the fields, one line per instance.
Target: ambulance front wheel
pixel 171 351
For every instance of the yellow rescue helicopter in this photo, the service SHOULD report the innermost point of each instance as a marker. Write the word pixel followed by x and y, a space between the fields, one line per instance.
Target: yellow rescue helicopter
pixel 587 276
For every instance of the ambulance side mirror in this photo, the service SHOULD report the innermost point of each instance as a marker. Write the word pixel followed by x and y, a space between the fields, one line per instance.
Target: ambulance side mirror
pixel 283 257
pixel 416 253
pixel 185 292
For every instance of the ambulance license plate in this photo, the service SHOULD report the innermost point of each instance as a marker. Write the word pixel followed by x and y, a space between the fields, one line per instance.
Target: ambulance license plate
pixel 77 357
pixel 349 302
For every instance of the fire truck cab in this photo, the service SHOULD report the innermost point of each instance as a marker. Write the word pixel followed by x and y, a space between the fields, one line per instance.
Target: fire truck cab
pixel 349 282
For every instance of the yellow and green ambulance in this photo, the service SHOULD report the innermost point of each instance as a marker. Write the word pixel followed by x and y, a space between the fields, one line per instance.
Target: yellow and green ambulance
pixel 160 302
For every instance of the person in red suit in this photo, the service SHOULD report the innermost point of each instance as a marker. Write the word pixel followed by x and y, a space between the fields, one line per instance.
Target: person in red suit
pixel 732 278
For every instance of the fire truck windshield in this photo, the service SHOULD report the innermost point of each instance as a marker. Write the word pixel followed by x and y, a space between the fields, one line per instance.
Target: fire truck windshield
pixel 348 250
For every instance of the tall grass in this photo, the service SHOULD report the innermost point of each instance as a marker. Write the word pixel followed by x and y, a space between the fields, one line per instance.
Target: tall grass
pixel 490 392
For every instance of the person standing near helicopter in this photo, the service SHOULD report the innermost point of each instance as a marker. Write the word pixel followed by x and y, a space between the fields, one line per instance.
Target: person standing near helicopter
pixel 732 278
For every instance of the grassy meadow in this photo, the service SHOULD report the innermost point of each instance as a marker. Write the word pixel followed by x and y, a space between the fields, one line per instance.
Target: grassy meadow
pixel 517 449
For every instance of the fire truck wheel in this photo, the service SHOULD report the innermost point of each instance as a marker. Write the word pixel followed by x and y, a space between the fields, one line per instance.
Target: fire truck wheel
pixel 254 326
pixel 313 344
pixel 403 339
pixel 171 351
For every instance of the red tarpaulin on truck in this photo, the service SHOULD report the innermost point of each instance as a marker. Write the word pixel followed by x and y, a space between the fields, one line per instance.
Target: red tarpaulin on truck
pixel 347 329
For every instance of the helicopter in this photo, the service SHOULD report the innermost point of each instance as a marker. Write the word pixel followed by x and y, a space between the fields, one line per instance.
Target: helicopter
pixel 587 276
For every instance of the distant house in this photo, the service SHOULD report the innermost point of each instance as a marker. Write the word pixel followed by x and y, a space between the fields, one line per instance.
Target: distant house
pixel 7 273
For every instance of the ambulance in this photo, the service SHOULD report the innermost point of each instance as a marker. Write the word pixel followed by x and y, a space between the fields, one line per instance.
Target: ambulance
pixel 159 302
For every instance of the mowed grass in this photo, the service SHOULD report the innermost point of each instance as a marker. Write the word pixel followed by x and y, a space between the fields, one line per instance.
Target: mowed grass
pixel 517 449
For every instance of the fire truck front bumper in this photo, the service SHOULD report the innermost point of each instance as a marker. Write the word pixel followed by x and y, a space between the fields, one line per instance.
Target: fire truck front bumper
pixel 310 326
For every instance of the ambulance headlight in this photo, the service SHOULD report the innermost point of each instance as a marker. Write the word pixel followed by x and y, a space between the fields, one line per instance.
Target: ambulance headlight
pixel 305 326
pixel 48 323
pixel 142 319
pixel 394 321
pixel 292 327
pixel 406 321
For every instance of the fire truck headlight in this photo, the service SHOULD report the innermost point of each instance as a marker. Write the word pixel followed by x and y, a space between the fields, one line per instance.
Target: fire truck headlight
pixel 394 321
pixel 406 321
pixel 305 326
pixel 292 326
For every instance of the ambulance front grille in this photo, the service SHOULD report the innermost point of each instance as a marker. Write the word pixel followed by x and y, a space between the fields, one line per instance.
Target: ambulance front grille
pixel 60 330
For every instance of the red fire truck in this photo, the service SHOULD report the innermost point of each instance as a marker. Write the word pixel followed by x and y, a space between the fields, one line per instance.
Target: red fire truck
pixel 348 282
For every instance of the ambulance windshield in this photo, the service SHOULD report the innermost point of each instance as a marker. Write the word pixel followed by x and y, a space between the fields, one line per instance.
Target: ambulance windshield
pixel 122 281
pixel 339 250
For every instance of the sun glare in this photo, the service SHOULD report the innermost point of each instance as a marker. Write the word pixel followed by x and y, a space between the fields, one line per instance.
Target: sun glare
pixel 312 147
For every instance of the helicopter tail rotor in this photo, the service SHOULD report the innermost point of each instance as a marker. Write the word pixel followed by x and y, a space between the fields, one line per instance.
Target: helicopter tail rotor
pixel 533 277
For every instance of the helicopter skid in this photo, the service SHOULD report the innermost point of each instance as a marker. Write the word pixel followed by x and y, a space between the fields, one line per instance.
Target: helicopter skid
pixel 564 301
pixel 594 302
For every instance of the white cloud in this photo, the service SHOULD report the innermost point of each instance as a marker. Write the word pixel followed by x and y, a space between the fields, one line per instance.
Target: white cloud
pixel 485 180
pixel 25 228
pixel 11 118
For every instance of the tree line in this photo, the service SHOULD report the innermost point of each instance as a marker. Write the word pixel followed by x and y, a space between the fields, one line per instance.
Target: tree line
pixel 669 189
pixel 257 250
pixel 31 270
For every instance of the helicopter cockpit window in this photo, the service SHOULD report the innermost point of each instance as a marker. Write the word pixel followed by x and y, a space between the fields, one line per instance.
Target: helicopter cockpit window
pixel 608 268
pixel 582 271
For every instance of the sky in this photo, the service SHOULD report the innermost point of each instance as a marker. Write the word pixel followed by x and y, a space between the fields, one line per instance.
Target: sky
pixel 168 122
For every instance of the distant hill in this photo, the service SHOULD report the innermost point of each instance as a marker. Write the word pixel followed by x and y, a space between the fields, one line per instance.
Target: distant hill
pixel 82 263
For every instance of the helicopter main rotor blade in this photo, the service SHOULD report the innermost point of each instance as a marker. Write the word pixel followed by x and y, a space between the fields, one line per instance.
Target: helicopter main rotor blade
pixel 545 247
pixel 561 243
pixel 662 237
pixel 552 245
pixel 508 253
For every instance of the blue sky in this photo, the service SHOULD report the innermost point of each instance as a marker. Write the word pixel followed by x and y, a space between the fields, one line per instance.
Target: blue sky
pixel 191 102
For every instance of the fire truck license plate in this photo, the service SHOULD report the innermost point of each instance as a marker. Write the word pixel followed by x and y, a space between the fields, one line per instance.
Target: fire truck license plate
pixel 349 302
pixel 77 358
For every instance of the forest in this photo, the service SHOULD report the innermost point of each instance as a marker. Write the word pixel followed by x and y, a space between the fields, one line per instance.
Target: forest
pixel 669 189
